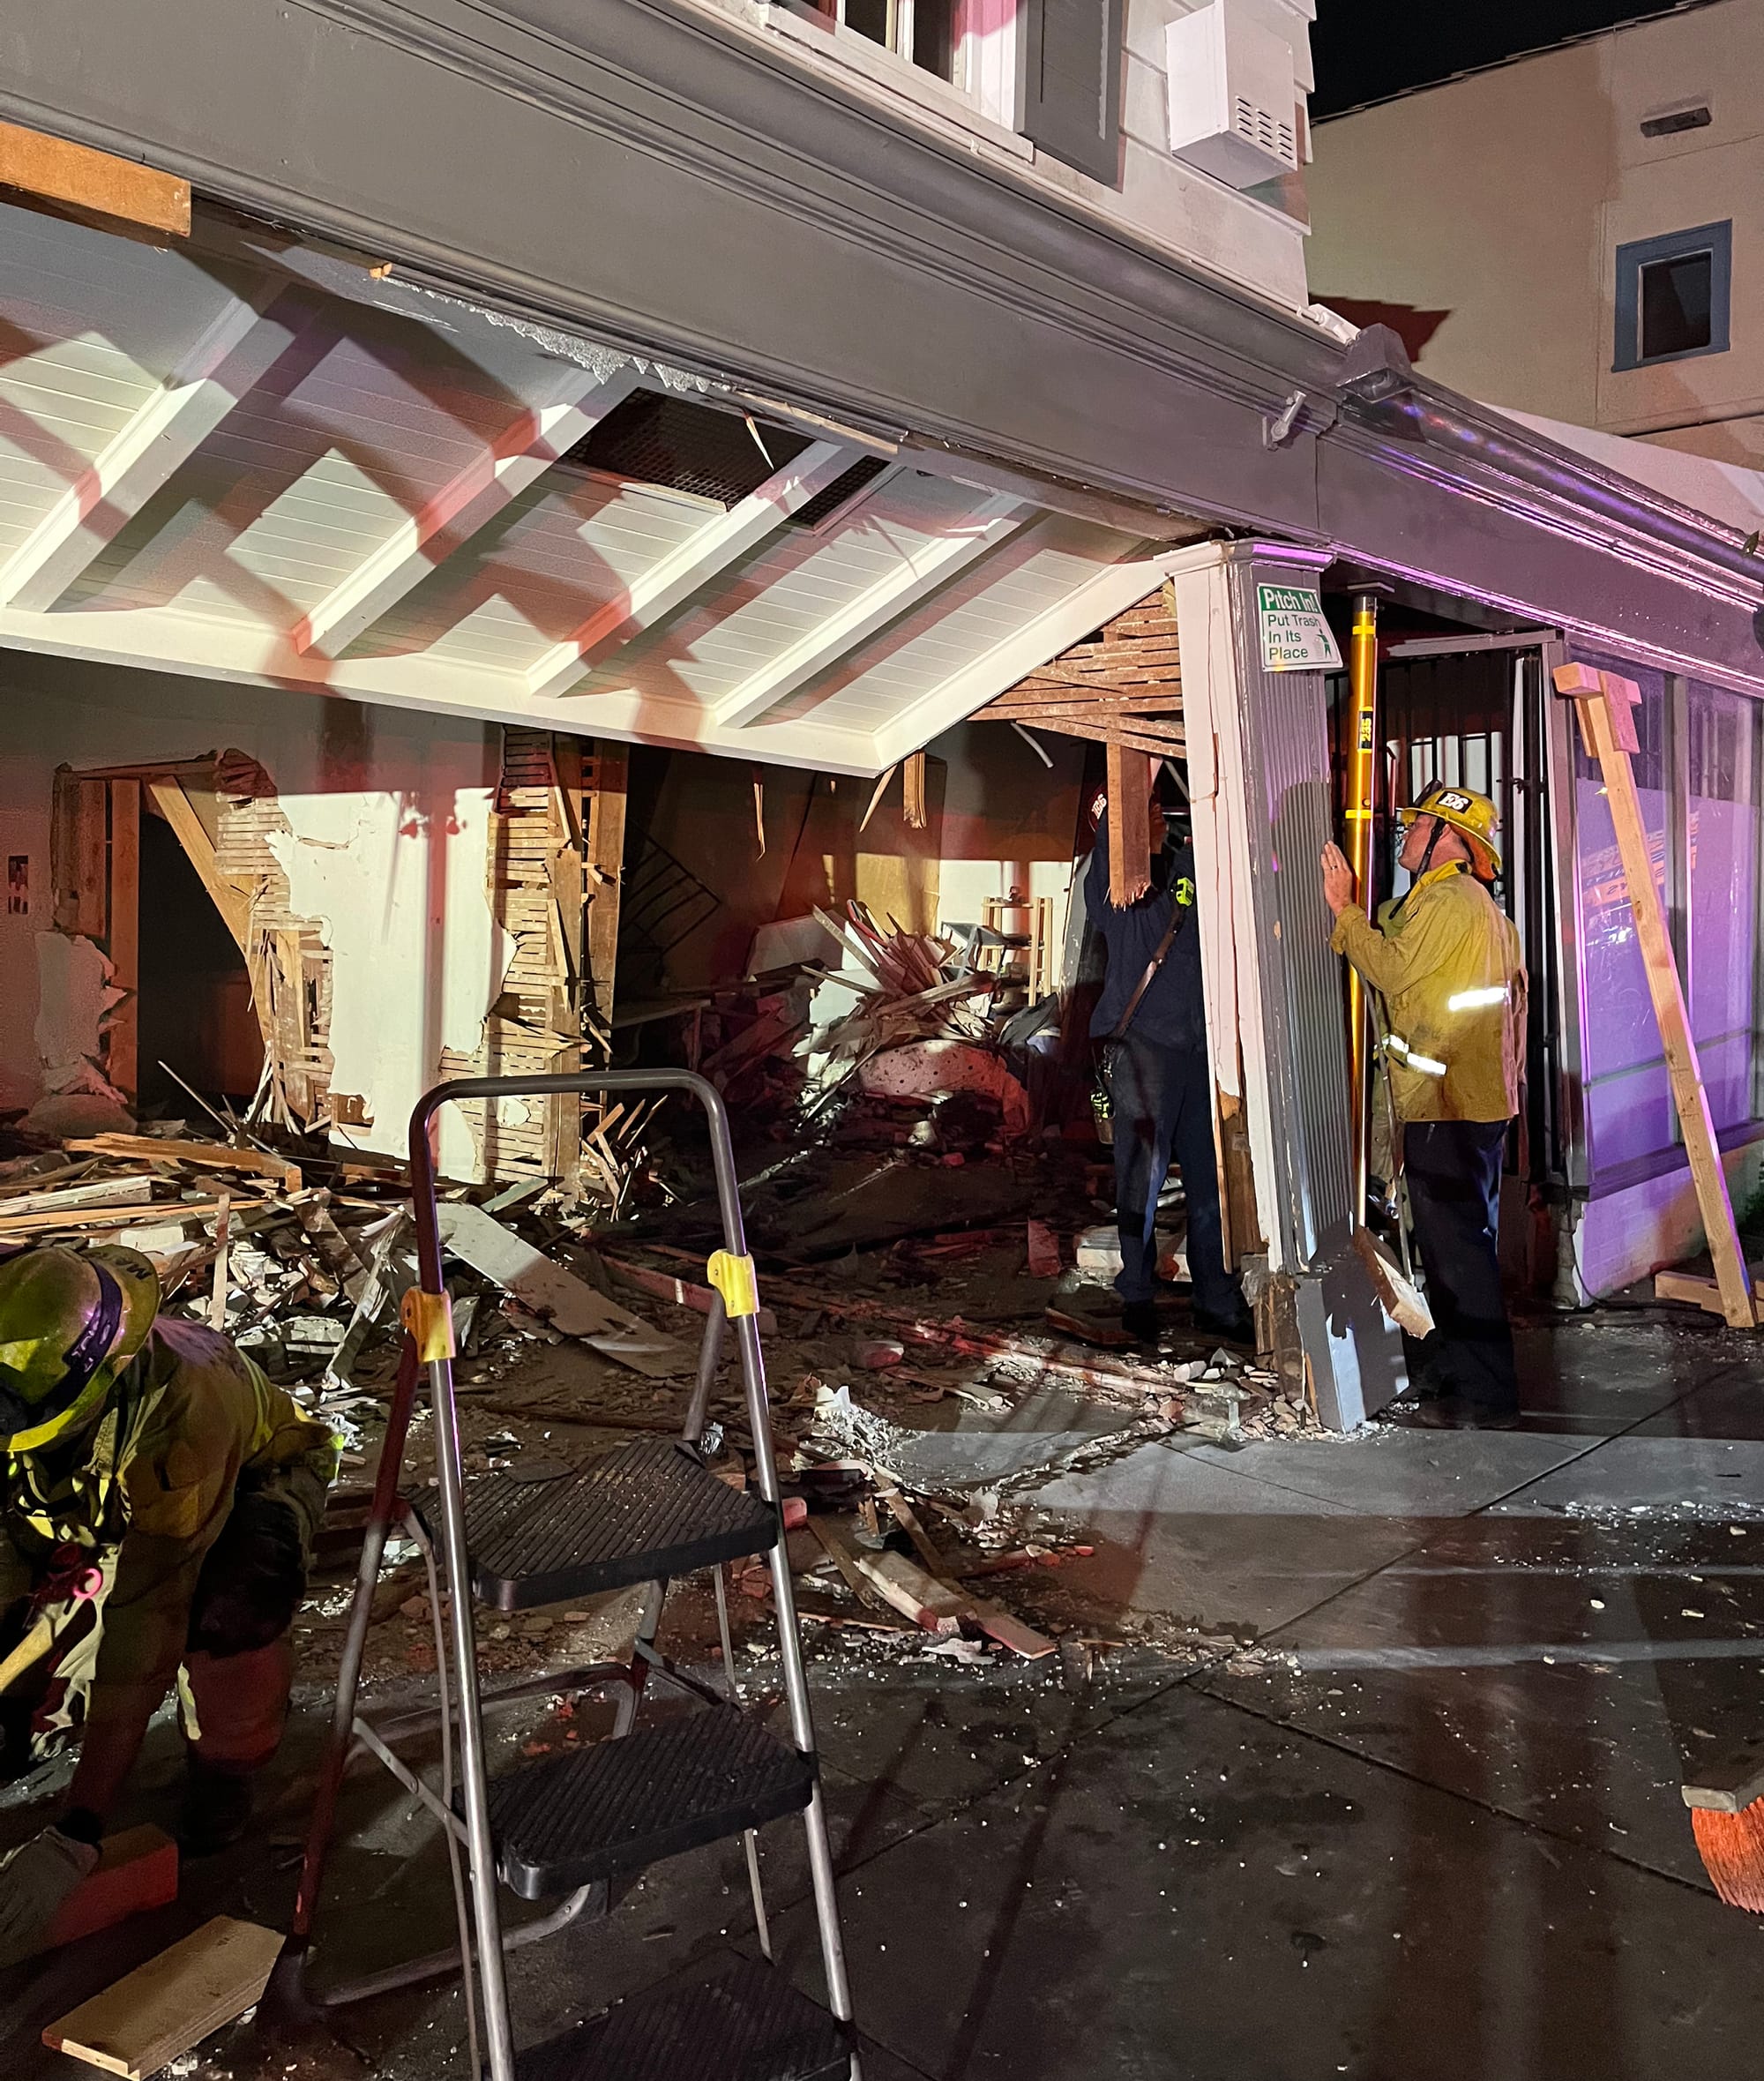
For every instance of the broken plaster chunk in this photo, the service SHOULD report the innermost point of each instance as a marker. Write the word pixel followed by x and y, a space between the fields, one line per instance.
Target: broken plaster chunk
pixel 876 1354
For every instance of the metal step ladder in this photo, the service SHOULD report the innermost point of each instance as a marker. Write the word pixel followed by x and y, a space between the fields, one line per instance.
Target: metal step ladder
pixel 581 1825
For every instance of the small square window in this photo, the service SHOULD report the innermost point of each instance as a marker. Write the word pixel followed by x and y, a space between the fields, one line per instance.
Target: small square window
pixel 1672 295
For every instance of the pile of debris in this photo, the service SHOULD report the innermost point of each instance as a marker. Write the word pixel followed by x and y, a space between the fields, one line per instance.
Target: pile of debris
pixel 915 1327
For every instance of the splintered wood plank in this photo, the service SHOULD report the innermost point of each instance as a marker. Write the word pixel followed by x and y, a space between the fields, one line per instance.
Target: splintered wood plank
pixel 95 181
pixel 558 1297
pixel 154 2014
pixel 208 1155
pixel 1602 698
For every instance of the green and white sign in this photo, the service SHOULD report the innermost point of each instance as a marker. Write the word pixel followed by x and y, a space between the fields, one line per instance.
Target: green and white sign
pixel 1296 638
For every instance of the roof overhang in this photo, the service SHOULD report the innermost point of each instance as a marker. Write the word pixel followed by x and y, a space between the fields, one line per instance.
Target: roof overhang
pixel 255 459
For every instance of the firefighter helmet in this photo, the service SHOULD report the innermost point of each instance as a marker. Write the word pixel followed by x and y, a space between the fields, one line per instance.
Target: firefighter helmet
pixel 1473 815
pixel 68 1322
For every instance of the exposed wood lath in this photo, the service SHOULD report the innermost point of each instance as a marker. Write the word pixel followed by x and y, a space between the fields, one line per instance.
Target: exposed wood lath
pixel 1121 686
pixel 224 812
pixel 289 961
pixel 556 836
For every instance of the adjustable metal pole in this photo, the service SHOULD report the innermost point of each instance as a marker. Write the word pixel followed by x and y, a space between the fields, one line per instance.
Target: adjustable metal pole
pixel 1362 804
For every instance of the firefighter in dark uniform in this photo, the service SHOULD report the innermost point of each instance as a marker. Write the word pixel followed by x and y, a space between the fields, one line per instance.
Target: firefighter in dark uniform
pixel 1160 1081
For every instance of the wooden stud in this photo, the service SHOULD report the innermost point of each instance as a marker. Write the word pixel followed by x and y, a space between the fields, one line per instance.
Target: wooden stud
pixel 95 181
pixel 913 792
pixel 606 867
pixel 123 1057
pixel 78 866
pixel 1130 825
pixel 1600 706
pixel 168 797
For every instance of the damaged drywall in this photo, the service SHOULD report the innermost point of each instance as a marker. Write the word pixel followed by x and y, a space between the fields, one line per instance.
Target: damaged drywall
pixel 383 852
pixel 396 883
pixel 75 995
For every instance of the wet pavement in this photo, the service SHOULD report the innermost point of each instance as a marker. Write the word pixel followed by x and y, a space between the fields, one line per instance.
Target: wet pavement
pixel 1382 1781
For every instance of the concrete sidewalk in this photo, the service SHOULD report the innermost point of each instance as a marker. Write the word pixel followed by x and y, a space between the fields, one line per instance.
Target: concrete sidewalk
pixel 1422 1824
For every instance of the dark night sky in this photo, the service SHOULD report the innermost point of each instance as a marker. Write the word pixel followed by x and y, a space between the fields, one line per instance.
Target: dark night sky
pixel 1371 50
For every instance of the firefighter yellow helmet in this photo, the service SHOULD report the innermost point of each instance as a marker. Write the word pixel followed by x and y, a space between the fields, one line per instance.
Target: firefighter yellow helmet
pixel 1473 815
pixel 70 1320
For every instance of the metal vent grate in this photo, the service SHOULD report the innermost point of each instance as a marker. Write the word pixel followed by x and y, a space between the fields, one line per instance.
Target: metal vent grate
pixel 652 438
pixel 1256 126
pixel 824 503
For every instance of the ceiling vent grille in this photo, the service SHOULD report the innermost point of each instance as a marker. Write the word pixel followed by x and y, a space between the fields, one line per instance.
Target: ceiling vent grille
pixel 654 437
pixel 843 488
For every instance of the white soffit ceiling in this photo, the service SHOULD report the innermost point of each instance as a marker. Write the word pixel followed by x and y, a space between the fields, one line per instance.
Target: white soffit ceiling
pixel 255 461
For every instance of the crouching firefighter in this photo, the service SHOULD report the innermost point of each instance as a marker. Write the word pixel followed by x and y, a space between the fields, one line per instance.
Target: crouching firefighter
pixel 1445 959
pixel 159 1499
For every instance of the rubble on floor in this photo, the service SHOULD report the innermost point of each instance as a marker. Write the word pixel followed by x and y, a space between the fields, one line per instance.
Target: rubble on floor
pixel 926 1253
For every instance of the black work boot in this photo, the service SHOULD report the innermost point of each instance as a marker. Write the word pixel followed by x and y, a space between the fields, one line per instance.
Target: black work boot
pixel 1140 1319
pixel 216 1807
pixel 1231 1325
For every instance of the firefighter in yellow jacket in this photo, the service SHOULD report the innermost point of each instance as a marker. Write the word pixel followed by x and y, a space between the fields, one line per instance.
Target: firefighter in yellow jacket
pixel 1445 959
pixel 158 1503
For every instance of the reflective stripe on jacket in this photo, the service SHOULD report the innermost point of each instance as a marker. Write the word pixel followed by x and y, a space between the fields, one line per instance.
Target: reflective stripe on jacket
pixel 1446 962
pixel 145 1495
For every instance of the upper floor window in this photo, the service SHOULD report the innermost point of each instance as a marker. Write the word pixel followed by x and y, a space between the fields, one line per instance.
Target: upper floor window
pixel 922 31
pixel 1673 295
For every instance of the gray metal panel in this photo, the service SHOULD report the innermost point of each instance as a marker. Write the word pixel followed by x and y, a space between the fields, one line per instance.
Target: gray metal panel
pixel 1459 533
pixel 1288 813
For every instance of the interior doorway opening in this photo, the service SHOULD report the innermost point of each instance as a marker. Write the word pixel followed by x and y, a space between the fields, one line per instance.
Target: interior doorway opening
pixel 194 1015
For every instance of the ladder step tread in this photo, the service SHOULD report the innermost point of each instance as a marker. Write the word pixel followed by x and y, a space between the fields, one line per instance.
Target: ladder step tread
pixel 750 2024
pixel 624 1803
pixel 642 1511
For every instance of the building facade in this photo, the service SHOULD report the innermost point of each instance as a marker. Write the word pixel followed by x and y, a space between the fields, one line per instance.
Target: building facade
pixel 1577 234
pixel 733 382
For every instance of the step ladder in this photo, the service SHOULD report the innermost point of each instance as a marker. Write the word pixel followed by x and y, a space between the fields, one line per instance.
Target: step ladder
pixel 577 1828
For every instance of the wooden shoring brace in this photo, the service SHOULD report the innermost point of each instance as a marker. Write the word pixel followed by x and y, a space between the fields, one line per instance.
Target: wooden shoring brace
pixel 1606 704
pixel 1130 776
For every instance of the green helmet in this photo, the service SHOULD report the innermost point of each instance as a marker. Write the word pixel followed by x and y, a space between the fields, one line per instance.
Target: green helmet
pixel 70 1320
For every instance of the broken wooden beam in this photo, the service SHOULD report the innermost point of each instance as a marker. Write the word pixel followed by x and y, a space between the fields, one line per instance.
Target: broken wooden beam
pixel 98 183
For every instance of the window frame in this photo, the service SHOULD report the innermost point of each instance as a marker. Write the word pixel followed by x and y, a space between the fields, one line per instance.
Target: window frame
pixel 1716 240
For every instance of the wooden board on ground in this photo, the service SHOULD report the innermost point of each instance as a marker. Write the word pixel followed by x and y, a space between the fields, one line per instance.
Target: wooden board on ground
pixel 1401 1299
pixel 153 2015
pixel 1696 1289
pixel 558 1297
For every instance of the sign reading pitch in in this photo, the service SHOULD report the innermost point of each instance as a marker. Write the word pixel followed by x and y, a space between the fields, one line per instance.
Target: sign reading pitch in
pixel 1296 638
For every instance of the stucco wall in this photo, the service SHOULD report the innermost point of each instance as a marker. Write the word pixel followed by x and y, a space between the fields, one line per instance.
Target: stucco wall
pixel 1502 198
pixel 389 813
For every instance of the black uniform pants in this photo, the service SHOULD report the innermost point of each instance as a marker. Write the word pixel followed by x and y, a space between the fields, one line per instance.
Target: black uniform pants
pixel 1453 1168
pixel 1161 1102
